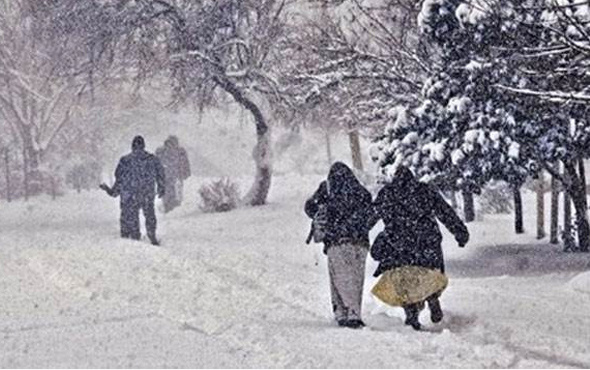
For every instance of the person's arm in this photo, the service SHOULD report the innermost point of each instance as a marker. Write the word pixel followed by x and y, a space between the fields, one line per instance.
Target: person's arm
pixel 378 208
pixel 107 189
pixel 447 215
pixel 185 167
pixel 319 197
pixel 115 190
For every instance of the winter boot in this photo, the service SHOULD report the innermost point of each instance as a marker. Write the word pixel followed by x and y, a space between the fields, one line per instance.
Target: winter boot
pixel 154 240
pixel 436 314
pixel 412 313
pixel 354 324
pixel 342 322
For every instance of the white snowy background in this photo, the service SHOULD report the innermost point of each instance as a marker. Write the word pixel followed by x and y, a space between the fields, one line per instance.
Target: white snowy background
pixel 241 289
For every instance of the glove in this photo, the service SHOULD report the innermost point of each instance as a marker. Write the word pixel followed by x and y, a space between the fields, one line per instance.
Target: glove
pixel 106 188
pixel 462 239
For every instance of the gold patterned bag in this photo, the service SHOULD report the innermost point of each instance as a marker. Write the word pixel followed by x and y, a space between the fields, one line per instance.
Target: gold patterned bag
pixel 409 284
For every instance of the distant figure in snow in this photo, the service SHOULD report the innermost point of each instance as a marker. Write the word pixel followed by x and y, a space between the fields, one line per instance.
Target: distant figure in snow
pixel 177 169
pixel 343 204
pixel 136 178
pixel 411 237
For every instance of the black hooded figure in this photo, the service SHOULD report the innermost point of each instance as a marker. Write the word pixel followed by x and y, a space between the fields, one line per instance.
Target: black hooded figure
pixel 346 241
pixel 136 177
pixel 409 210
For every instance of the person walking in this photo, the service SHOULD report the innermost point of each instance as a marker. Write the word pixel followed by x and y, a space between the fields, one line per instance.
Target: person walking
pixel 344 203
pixel 176 165
pixel 136 178
pixel 410 244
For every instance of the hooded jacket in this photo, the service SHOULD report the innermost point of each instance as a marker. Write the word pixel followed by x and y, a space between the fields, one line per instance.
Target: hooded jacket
pixel 174 159
pixel 138 173
pixel 348 207
pixel 410 210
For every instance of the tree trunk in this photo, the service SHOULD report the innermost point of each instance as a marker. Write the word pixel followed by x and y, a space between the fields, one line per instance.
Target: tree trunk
pixel 582 172
pixel 355 148
pixel 468 206
pixel 580 204
pixel 554 237
pixel 32 160
pixel 518 224
pixel 578 197
pixel 53 188
pixel 25 175
pixel 541 207
pixel 7 175
pixel 567 220
pixel 258 193
pixel 328 148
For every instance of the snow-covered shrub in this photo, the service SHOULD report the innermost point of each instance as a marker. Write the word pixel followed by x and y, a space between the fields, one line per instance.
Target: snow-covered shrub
pixel 219 196
pixel 495 198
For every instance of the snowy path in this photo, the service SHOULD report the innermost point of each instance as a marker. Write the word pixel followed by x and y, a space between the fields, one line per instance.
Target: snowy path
pixel 241 289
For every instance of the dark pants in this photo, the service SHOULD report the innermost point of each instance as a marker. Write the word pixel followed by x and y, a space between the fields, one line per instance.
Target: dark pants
pixel 130 206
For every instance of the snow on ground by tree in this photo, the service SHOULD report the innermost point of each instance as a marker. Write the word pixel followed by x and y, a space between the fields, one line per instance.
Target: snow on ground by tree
pixel 241 289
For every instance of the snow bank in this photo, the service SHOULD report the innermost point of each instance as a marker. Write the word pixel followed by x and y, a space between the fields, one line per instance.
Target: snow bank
pixel 581 283
pixel 242 290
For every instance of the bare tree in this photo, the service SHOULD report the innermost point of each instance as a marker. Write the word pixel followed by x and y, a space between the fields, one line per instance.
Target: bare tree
pixel 353 61
pixel 208 51
pixel 39 92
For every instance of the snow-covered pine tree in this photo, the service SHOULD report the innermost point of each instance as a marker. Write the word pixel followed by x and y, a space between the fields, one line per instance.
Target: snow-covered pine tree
pixel 459 135
pixel 507 99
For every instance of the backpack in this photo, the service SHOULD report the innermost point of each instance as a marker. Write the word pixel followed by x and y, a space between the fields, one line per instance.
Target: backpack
pixel 319 223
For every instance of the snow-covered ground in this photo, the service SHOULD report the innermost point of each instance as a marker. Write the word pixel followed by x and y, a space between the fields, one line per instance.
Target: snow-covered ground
pixel 241 289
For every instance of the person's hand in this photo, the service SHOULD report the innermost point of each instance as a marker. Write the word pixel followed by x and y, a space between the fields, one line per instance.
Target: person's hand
pixel 110 191
pixel 462 240
pixel 161 193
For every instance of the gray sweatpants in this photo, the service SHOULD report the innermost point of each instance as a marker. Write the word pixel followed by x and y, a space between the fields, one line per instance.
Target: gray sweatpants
pixel 346 266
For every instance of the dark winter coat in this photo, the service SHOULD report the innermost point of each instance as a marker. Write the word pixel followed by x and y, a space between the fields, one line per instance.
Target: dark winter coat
pixel 348 206
pixel 174 159
pixel 138 173
pixel 409 210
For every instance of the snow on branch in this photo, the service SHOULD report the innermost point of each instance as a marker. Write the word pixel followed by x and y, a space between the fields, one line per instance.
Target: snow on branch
pixel 548 95
pixel 197 54
pixel 329 80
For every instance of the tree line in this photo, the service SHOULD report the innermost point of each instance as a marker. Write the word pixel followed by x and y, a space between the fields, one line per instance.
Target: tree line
pixel 463 91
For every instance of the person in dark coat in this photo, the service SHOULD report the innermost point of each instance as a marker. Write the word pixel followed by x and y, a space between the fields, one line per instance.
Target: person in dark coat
pixel 346 240
pixel 177 169
pixel 136 178
pixel 410 210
